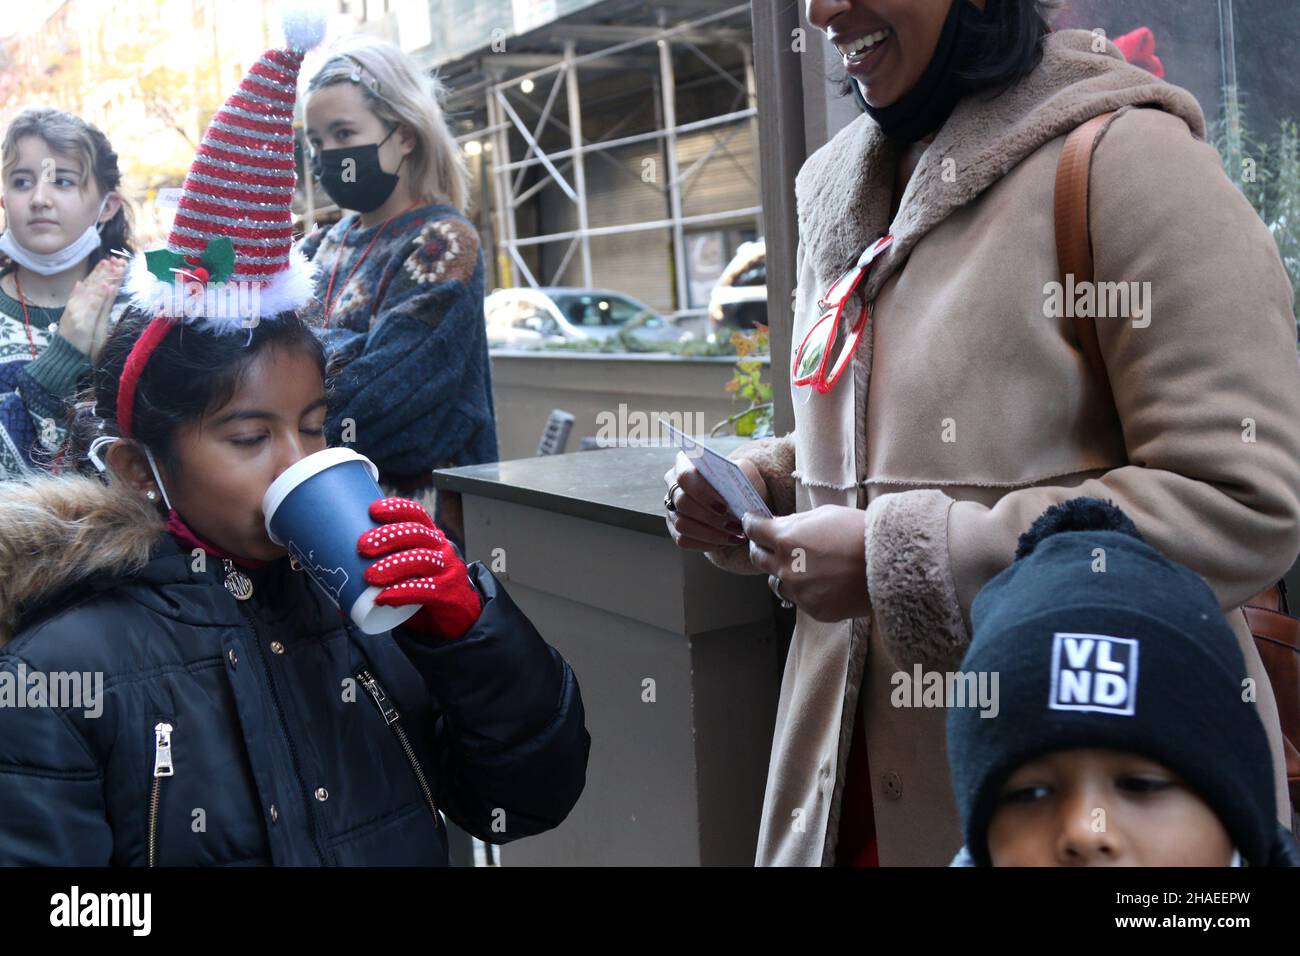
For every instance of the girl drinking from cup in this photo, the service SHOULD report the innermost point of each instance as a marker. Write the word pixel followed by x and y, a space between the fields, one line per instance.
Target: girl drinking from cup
pixel 230 681
pixel 58 281
pixel 399 284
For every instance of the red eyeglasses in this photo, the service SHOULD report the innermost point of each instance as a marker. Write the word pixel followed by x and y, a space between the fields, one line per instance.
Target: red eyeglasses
pixel 823 345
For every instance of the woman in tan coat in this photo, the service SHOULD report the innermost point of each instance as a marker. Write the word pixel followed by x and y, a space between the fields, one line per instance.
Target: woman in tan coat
pixel 968 406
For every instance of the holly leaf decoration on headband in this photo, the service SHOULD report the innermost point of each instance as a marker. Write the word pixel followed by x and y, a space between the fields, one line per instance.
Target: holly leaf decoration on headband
pixel 219 257
pixel 161 262
pixel 215 264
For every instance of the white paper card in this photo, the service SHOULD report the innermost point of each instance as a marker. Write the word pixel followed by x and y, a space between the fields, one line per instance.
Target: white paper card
pixel 723 474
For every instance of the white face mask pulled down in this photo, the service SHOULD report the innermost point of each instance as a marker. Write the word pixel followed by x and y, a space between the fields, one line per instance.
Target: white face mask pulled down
pixel 61 260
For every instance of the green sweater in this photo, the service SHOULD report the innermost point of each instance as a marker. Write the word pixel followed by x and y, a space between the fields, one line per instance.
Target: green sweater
pixel 34 394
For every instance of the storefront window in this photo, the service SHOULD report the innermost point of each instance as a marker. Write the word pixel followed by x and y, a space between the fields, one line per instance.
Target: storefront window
pixel 1238 59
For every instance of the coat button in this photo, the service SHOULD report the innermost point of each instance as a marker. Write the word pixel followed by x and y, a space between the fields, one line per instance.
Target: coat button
pixel 893 785
pixel 234 658
pixel 277 647
pixel 322 794
pixel 275 814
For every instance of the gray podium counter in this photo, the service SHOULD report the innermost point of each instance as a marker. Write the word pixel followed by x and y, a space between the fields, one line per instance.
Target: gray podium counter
pixel 677 661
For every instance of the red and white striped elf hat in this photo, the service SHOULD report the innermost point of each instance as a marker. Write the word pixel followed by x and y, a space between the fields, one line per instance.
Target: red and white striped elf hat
pixel 229 260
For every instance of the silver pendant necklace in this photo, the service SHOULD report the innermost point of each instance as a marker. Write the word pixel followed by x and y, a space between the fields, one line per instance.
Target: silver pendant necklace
pixel 237 582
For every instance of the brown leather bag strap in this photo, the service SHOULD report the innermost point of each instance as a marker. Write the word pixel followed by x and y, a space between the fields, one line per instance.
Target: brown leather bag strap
pixel 1272 598
pixel 1073 241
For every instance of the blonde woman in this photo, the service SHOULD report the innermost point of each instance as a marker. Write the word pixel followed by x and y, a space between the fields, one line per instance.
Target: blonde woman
pixel 399 282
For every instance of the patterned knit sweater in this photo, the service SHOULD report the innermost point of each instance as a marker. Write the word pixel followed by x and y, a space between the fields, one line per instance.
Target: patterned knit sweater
pixel 407 342
pixel 34 394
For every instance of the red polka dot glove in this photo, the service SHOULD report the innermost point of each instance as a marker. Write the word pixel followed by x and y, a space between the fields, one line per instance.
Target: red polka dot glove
pixel 417 565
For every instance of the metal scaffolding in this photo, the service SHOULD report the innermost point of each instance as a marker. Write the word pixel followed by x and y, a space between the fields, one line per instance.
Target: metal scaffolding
pixel 507 175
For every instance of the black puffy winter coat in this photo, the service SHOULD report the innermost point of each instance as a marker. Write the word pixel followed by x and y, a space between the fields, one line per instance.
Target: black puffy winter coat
pixel 265 731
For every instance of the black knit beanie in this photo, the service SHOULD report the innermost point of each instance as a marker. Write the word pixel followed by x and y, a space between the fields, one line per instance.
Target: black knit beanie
pixel 1136 658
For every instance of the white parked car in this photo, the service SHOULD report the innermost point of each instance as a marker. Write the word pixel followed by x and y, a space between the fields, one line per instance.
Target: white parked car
pixel 739 300
pixel 526 317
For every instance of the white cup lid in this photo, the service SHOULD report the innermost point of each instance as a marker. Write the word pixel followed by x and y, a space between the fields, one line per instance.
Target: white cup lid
pixel 299 472
pixel 374 618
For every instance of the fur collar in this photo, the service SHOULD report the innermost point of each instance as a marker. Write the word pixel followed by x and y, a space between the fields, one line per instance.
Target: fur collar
pixel 55 532
pixel 843 190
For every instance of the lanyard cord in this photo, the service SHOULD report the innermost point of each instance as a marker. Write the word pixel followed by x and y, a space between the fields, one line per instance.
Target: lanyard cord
pixel 329 289
pixel 26 323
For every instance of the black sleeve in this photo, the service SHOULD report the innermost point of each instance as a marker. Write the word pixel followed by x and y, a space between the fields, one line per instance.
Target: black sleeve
pixel 511 745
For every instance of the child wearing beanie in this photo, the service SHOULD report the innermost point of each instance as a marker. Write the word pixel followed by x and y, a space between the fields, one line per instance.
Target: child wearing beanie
pixel 1127 732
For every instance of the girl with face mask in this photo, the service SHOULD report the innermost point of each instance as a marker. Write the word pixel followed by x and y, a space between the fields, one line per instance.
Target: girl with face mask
pixel 58 279
pixel 399 281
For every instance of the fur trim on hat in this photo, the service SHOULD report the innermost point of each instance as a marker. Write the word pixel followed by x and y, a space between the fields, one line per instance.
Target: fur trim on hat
pixel 222 306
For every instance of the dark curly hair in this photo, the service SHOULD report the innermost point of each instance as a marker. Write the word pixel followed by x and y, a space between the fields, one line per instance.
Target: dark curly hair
pixel 191 373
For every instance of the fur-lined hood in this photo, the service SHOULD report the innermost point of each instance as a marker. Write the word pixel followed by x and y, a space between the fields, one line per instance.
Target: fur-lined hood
pixel 55 532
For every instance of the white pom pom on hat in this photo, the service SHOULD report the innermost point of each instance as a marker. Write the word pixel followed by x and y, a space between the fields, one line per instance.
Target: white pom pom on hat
pixel 304 26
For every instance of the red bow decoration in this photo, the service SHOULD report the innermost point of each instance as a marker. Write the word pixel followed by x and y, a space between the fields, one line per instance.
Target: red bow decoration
pixel 1139 48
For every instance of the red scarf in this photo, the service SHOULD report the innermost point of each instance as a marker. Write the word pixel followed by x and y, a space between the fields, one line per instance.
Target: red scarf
pixel 186 536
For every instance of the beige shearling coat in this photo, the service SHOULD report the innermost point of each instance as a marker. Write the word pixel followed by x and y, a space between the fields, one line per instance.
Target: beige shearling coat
pixel 969 412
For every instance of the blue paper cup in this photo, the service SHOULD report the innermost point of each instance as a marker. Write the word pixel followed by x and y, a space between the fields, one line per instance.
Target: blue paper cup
pixel 318 508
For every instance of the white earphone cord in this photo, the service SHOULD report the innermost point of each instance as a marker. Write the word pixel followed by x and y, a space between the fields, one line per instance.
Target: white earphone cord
pixel 94 454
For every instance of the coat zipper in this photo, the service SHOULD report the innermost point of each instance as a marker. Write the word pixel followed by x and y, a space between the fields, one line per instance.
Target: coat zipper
pixel 393 719
pixel 162 767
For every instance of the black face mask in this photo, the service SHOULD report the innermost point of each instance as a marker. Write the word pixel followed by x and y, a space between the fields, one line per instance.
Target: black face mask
pixel 927 105
pixel 366 186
